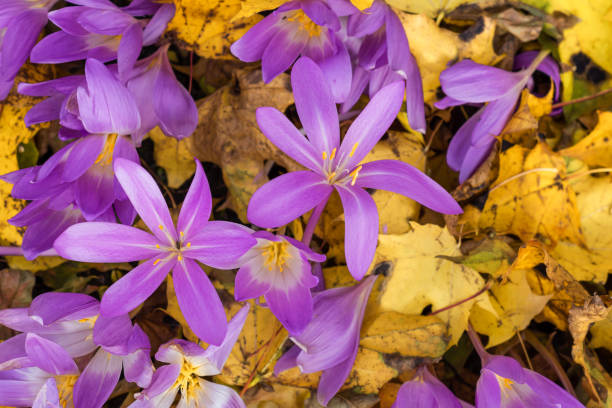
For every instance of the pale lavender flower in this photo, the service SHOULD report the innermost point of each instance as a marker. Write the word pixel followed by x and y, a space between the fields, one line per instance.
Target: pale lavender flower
pixel 216 243
pixel 278 268
pixel 331 340
pixel 503 383
pixel 188 363
pixel 469 82
pixel 20 24
pixel 306 27
pixel 426 391
pixel 337 166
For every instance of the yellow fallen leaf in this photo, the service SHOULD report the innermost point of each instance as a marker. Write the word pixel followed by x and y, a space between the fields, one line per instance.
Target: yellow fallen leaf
pixel 594 202
pixel 362 4
pixel 275 395
pixel 174 156
pixel 408 335
pixel 369 373
pixel 420 275
pixel 14 132
pixel 489 257
pixel 596 148
pixel 532 199
pixel 431 8
pixel 250 7
pixel 523 125
pixel 422 32
pixel 512 315
pixel 209 27
pixel 601 333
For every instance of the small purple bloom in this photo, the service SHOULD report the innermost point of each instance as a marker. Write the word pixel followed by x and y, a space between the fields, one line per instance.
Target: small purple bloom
pixel 278 268
pixel 504 383
pixel 297 28
pixel 188 362
pixel 384 57
pixel 334 165
pixel 20 24
pixel 101 30
pixel 162 100
pixel 426 391
pixel 331 340
pixel 469 82
pixel 216 243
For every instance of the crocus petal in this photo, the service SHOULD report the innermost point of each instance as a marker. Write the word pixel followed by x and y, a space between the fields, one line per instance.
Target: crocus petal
pixel 44 111
pixel 220 244
pixel 105 242
pixel 213 395
pixel 251 46
pixel 39 237
pixel 361 229
pixel 488 393
pixel 104 21
pixel 358 85
pixel 506 367
pixel 49 356
pixel 146 198
pixel 471 82
pixel 106 106
pixel 285 198
pixel 217 355
pixel 172 103
pixel 50 307
pixel 112 331
pixel 550 391
pixel 158 23
pixel 461 142
pixel 370 125
pixel 48 396
pixel 337 69
pixel 13 353
pixel 287 360
pixel 494 118
pixel 66 19
pixel 135 287
pixel 247 284
pixel 315 105
pixel 60 47
pixel 320 13
pixel 95 191
pixel 163 378
pixel 196 206
pixel 137 368
pixel 283 134
pixel 22 390
pixel 402 178
pixel 129 50
pixel 333 378
pixel 291 306
pixel 367 21
pixel 97 381
pixel 547 66
pixel 19 38
pixel 417 394
pixel 282 49
pixel 199 302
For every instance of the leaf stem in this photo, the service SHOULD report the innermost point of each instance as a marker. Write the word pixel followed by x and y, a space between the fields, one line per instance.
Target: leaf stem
pixel 480 292
pixel 484 356
pixel 583 99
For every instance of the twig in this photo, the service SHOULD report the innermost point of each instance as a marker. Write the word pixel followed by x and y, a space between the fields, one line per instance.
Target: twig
pixel 252 375
pixel 433 133
pixel 583 99
pixel 518 334
pixel 190 70
pixel 524 173
pixel 480 292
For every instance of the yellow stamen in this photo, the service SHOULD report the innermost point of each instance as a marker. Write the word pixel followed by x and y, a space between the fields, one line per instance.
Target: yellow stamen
pixel 507 383
pixel 276 255
pixel 157 246
pixel 106 156
pixel 355 173
pixel 65 386
pixel 330 176
pixel 324 155
pixel 182 234
pixel 353 149
pixel 188 380
pixel 333 154
pixel 156 262
pixel 306 23
pixel 161 227
pixel 180 257
pixel 188 244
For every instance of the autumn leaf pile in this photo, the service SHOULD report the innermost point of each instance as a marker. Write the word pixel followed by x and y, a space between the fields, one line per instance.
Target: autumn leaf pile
pixel 527 264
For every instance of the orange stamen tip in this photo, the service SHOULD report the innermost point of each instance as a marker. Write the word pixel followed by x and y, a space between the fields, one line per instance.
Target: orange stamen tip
pixel 333 154
pixel 156 261
pixel 161 227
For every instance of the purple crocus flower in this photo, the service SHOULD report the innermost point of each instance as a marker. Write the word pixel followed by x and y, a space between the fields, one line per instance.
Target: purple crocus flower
pixel 46 378
pixel 217 243
pixel 504 383
pixel 384 57
pixel 69 323
pixel 99 29
pixel 278 268
pixel 297 28
pixel 188 362
pixel 162 100
pixel 331 340
pixel 334 165
pixel 20 24
pixel 426 391
pixel 469 82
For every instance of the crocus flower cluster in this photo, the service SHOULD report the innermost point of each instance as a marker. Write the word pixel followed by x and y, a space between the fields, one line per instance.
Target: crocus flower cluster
pixel 469 82
pixel 354 49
